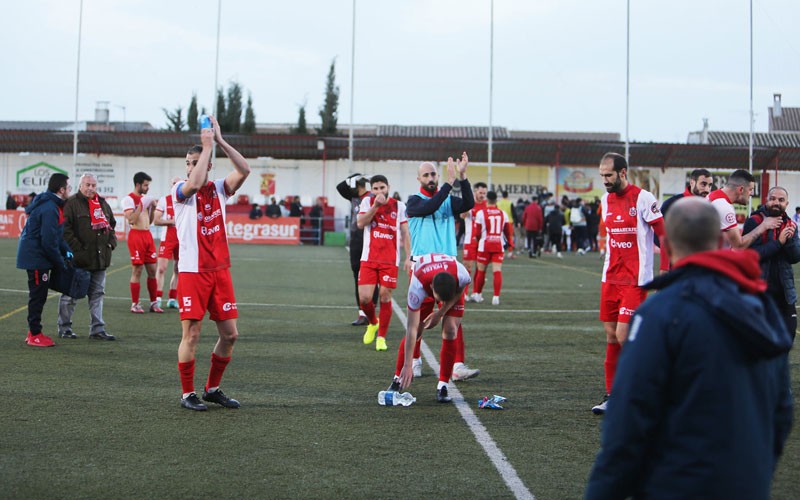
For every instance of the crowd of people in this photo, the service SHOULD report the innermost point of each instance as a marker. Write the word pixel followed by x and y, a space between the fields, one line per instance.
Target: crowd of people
pixel 697 391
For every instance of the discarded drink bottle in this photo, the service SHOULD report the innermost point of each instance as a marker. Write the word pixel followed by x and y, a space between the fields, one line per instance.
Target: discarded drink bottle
pixel 394 398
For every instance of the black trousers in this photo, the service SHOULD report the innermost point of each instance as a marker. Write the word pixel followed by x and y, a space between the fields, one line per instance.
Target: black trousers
pixel 788 312
pixel 534 241
pixel 38 281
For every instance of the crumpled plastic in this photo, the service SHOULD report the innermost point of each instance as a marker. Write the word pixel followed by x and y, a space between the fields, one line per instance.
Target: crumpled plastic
pixel 492 403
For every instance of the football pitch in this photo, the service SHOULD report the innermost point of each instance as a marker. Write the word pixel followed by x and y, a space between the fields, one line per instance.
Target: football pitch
pixel 94 419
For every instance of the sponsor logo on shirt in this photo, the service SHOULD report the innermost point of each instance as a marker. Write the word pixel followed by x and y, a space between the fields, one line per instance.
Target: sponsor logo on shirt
pixel 730 218
pixel 621 244
pixel 632 212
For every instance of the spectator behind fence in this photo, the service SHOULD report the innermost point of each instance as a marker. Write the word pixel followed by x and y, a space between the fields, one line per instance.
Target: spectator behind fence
pixel 255 212
pixel 272 210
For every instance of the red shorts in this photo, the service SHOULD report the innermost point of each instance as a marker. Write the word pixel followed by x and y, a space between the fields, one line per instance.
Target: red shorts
pixel 470 253
pixel 618 302
pixel 486 257
pixel 141 247
pixel 374 273
pixel 168 249
pixel 426 309
pixel 212 292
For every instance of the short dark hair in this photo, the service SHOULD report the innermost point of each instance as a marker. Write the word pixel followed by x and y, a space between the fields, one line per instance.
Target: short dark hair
pixel 699 172
pixel 379 178
pixel 505 194
pixel 491 196
pixel 140 178
pixel 445 286
pixel 56 182
pixel 620 162
pixel 480 185
pixel 740 178
pixel 196 149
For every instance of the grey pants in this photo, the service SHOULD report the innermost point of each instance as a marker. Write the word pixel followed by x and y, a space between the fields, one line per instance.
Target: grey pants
pixel 66 306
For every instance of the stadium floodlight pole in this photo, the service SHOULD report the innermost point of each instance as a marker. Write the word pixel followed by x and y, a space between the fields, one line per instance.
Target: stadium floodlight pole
pixel 628 82
pixel 216 79
pixel 749 199
pixel 352 88
pixel 77 92
pixel 491 89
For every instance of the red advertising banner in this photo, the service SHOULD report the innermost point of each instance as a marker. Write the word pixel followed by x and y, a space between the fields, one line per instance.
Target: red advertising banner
pixel 280 231
pixel 11 223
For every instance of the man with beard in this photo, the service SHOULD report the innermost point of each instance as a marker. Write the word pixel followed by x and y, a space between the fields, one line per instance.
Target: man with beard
pixel 470 253
pixel 778 249
pixel 631 217
pixel 139 210
pixel 738 189
pixel 700 181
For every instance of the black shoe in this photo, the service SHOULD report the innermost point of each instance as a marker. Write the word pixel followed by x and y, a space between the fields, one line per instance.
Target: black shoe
pixel 102 336
pixel 191 402
pixel 441 395
pixel 220 398
pixel 395 386
pixel 361 321
pixel 69 334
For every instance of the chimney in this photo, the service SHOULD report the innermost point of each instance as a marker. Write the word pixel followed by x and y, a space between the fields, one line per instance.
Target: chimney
pixel 101 112
pixel 776 106
pixel 704 133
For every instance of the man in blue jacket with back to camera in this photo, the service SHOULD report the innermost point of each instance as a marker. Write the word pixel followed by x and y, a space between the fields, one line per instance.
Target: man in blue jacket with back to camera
pixel 41 249
pixel 702 403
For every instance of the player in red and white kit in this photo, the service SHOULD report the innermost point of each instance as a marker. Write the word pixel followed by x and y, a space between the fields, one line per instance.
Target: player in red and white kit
pixel 385 226
pixel 205 278
pixel 167 249
pixel 139 210
pixel 738 189
pixel 445 279
pixel 492 226
pixel 631 216
pixel 470 253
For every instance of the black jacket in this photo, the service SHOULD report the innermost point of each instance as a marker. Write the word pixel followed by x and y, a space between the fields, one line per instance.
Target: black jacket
pixel 776 259
pixel 92 247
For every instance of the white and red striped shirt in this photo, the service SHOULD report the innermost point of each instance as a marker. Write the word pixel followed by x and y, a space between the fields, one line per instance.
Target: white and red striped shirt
pixel 629 246
pixel 200 223
pixel 166 207
pixel 426 268
pixel 382 236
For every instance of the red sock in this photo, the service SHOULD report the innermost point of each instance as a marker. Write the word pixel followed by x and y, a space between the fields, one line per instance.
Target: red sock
pixel 186 369
pixel 173 293
pixel 135 288
pixel 152 288
pixel 218 364
pixel 480 279
pixel 612 355
pixel 446 357
pixel 460 356
pixel 498 282
pixel 385 319
pixel 401 357
pixel 369 310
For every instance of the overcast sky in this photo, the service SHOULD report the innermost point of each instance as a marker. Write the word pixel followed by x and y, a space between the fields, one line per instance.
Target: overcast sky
pixel 559 65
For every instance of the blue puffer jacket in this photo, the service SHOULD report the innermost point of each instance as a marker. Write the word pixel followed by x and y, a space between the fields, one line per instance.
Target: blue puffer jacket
pixel 701 405
pixel 776 259
pixel 42 245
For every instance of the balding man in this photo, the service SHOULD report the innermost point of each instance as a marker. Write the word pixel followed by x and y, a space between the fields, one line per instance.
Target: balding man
pixel 778 249
pixel 702 405
pixel 432 224
pixel 89 230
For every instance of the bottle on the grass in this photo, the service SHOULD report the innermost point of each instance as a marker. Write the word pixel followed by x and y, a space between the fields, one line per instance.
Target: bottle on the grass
pixel 394 398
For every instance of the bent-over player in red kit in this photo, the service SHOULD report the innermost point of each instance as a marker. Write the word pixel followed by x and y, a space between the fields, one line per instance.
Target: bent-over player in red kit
pixel 205 278
pixel 631 216
pixel 443 278
pixel 491 225
pixel 383 220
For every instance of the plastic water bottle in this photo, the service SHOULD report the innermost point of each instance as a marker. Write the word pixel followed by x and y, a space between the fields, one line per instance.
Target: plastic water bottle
pixel 393 398
pixel 204 121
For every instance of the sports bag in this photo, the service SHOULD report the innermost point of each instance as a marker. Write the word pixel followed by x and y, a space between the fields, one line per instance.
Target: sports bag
pixel 72 281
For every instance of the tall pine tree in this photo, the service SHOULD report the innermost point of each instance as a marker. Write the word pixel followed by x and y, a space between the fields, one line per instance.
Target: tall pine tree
pixel 329 111
pixel 302 127
pixel 233 113
pixel 191 114
pixel 249 125
pixel 221 114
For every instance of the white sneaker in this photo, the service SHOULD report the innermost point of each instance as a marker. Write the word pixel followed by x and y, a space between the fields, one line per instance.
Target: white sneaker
pixel 468 298
pixel 476 297
pixel 463 372
pixel 559 255
pixel 416 367
pixel 581 251
pixel 496 300
pixel 601 408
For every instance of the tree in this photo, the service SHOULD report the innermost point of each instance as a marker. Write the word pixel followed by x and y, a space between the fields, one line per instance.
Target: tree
pixel 174 119
pixel 249 125
pixel 220 114
pixel 233 112
pixel 191 114
pixel 328 112
pixel 302 128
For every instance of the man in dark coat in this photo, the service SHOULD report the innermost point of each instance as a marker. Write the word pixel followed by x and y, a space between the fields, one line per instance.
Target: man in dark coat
pixel 41 249
pixel 702 404
pixel 88 229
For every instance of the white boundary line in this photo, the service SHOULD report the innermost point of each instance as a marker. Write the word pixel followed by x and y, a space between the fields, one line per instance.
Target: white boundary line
pixel 498 458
